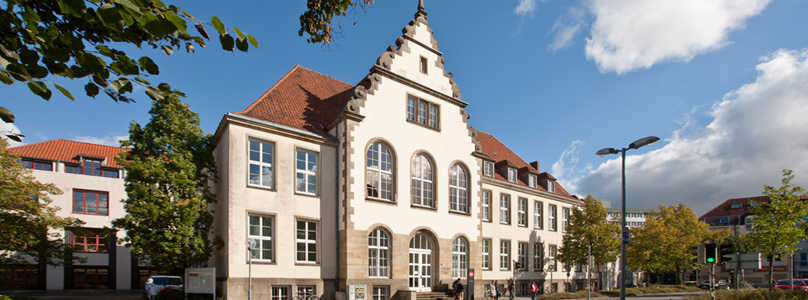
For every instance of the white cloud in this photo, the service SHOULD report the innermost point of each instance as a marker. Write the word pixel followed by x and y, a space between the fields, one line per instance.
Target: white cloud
pixel 566 27
pixel 525 8
pixel 10 129
pixel 757 131
pixel 636 34
pixel 107 140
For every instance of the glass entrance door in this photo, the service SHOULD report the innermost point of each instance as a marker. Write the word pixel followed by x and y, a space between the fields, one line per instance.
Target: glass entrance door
pixel 420 267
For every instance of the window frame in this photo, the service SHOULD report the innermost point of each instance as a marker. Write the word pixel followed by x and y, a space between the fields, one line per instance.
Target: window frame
pixel 307 241
pixel 423 65
pixel 532 180
pixel 261 164
pixel 86 235
pixel 552 253
pixel 486 205
pixel 550 186
pixel 485 248
pixel 565 218
pixel 423 113
pixel 35 164
pixel 488 168
pixel 276 292
pixel 521 212
pixel 98 207
pixel 382 254
pixel 460 258
pixel 504 209
pixel 521 257
pixel 422 196
pixel 260 238
pixel 379 171
pixel 538 211
pixel 552 223
pixel 538 256
pixel 307 173
pixel 380 292
pixel 459 192
pixel 504 254
pixel 511 174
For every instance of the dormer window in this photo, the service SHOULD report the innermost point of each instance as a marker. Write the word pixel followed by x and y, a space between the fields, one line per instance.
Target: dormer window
pixel 422 65
pixel 531 180
pixel 736 206
pixel 512 174
pixel 488 168
pixel 551 185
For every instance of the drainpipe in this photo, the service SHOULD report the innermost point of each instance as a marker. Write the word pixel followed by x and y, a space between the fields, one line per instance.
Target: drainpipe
pixel 336 210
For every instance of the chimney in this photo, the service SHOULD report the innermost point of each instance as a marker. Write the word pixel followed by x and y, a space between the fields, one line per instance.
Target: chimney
pixel 535 165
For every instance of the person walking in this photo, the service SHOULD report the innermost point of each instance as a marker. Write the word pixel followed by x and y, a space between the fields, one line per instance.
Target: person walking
pixel 493 290
pixel 534 289
pixel 510 290
pixel 151 290
pixel 458 289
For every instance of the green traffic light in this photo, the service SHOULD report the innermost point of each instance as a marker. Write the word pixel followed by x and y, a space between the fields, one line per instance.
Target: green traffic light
pixel 711 259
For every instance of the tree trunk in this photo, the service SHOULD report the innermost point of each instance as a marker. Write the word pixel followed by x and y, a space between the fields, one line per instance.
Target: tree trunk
pixel 771 278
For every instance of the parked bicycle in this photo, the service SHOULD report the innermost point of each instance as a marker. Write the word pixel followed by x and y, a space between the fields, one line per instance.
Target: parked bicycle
pixel 305 295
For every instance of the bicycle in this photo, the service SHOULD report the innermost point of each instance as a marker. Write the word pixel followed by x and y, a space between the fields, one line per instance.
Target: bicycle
pixel 307 295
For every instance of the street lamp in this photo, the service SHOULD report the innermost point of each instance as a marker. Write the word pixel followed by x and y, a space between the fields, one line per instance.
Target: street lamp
pixel 624 238
pixel 251 244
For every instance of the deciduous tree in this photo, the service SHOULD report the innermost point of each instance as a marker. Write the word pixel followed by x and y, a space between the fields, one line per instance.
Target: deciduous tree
pixel 169 166
pixel 776 224
pixel 588 227
pixel 29 226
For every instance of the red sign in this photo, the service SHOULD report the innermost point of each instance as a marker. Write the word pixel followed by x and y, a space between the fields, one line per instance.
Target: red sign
pixel 471 274
pixel 776 269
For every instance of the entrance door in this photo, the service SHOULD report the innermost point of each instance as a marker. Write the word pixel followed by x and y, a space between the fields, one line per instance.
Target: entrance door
pixel 420 264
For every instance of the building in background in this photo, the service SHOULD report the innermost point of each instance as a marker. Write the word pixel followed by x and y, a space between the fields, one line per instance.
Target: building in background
pixel 610 272
pixel 93 191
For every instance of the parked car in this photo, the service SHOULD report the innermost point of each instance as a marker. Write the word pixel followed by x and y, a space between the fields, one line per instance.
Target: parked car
pixel 719 284
pixel 167 282
pixel 691 283
pixel 799 285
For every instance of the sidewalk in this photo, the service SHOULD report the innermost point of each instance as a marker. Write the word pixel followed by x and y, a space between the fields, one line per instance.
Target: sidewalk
pixel 80 294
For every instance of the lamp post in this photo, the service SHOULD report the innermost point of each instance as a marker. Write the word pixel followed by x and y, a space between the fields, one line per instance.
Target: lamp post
pixel 624 238
pixel 251 243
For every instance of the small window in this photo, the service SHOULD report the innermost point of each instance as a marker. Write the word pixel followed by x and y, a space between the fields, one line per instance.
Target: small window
pixel 531 180
pixel 306 241
pixel 306 171
pixel 538 209
pixel 551 218
pixel 736 206
pixel 280 293
pixel 260 164
pixel 423 112
pixel 504 209
pixel 37 165
pixel 486 205
pixel 423 65
pixel 89 240
pixel 522 212
pixel 91 203
pixel 92 167
pixel 565 218
pixel 551 185
pixel 486 250
pixel 511 174
pixel 261 229
pixel 73 169
pixel 538 256
pixel 488 168
pixel 504 255
pixel 381 292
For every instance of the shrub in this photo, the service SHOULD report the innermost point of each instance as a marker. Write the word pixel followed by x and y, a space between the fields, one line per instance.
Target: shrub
pixel 575 295
pixel 754 294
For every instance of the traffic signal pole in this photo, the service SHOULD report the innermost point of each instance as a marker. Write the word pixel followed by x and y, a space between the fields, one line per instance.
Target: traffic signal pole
pixel 712 281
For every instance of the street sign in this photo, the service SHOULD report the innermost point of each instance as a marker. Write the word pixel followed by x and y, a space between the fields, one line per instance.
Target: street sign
pixel 625 237
pixel 747 261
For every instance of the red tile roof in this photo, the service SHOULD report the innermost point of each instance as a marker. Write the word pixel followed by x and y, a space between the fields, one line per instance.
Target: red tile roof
pixel 302 99
pixel 496 151
pixel 69 151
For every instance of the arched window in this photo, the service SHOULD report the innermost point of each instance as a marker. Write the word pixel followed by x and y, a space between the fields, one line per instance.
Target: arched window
pixel 422 181
pixel 459 258
pixel 378 254
pixel 379 179
pixel 458 189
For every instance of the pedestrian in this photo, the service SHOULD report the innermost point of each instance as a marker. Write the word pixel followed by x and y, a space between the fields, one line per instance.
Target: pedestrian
pixel 458 289
pixel 151 290
pixel 510 290
pixel 534 289
pixel 493 291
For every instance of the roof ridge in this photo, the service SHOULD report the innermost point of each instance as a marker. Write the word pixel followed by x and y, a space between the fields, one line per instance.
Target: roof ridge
pixel 66 141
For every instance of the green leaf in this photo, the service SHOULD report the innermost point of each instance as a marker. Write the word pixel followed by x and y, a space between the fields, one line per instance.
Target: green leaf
pixel 178 22
pixel 5 78
pixel 154 94
pixel 91 89
pixel 239 33
pixel 141 80
pixel 104 50
pixel 6 115
pixel 75 8
pixel 253 41
pixel 91 62
pixel 127 4
pixel 110 15
pixel 218 25
pixel 64 92
pixel 37 71
pixel 40 89
pixel 227 41
pixel 147 64
pixel 7 53
pixel 242 45
pixel 164 87
pixel 124 65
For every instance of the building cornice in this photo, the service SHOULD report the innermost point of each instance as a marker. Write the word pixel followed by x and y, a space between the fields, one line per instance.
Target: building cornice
pixel 420 87
pixel 274 128
pixel 527 190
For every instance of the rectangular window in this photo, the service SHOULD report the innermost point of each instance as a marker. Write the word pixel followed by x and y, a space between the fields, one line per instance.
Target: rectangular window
pixel 19 277
pixel 486 254
pixel 261 230
pixel 522 212
pixel 37 165
pixel 551 257
pixel 306 170
pixel 423 65
pixel 423 112
pixel 260 165
pixel 538 256
pixel 306 241
pixel 91 203
pixel 95 278
pixel 92 167
pixel 381 293
pixel 565 218
pixel 504 255
pixel 538 209
pixel 511 174
pixel 531 180
pixel 488 168
pixel 72 169
pixel 551 218
pixel 486 205
pixel 522 256
pixel 280 293
pixel 305 291
pixel 110 173
pixel 504 209
pixel 89 240
pixel 551 185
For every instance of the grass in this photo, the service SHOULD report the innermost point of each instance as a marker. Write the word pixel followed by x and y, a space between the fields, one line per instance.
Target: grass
pixel 575 295
pixel 754 294
pixel 654 289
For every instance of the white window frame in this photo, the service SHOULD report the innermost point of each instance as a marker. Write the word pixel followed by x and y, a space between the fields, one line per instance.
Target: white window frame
pixel 486 204
pixel 458 189
pixel 263 241
pixel 379 254
pixel 280 293
pixel 538 210
pixel 565 218
pixel 460 256
pixel 488 168
pixel 551 217
pixel 261 164
pixel 552 251
pixel 381 292
pixel 551 185
pixel 305 185
pixel 521 218
pixel 504 254
pixel 308 241
pixel 504 209
pixel 384 166
pixel 512 174
pixel 538 256
pixel 522 255
pixel 531 180
pixel 486 254
pixel 422 181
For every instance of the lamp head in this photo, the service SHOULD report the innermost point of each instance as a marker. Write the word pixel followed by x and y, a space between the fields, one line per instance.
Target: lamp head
pixel 606 151
pixel 643 142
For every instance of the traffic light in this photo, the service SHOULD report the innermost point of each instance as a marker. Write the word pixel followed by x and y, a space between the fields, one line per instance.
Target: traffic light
pixel 709 253
pixel 726 252
pixel 516 265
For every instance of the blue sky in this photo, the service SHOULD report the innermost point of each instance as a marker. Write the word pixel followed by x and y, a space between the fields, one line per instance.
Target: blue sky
pixel 722 82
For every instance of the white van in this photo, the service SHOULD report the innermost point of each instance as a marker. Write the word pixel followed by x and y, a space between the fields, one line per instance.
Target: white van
pixel 167 281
